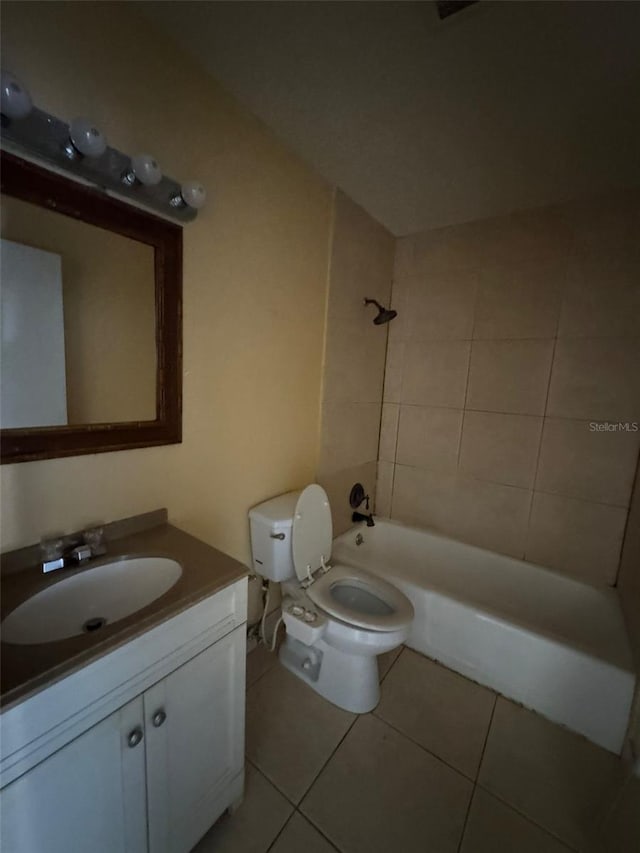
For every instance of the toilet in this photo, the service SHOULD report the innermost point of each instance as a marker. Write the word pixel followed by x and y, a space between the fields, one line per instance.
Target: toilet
pixel 338 618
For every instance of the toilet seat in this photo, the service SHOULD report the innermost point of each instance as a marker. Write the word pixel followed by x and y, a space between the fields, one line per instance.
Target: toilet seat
pixel 361 599
pixel 355 597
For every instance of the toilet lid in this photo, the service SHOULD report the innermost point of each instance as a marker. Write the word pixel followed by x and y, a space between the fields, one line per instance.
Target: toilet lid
pixel 312 531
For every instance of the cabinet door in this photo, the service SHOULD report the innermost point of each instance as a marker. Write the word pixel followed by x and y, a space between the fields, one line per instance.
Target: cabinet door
pixel 194 722
pixel 88 796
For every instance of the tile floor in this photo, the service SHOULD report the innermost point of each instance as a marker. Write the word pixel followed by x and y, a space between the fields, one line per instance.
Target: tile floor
pixel 442 765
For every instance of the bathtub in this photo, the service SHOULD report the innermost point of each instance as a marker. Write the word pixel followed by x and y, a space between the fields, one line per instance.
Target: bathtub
pixel 557 645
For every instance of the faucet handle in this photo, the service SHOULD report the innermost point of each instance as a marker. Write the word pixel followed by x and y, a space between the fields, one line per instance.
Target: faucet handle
pixel 94 539
pixel 52 553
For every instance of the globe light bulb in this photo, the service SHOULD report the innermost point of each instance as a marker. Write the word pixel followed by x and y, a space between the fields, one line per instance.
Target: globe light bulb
pixel 16 100
pixel 146 170
pixel 193 194
pixel 86 138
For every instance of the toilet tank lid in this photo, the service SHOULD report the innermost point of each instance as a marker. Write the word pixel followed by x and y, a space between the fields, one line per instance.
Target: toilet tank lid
pixel 277 512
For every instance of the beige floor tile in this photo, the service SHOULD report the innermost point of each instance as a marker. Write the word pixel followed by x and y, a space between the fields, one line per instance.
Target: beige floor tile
pixel 298 836
pixel 393 795
pixel 621 831
pixel 493 827
pixel 387 660
pixel 253 827
pixel 439 709
pixel 553 776
pixel 291 731
pixel 259 661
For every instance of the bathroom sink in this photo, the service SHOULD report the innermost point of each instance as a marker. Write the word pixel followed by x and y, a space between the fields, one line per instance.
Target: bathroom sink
pixel 88 600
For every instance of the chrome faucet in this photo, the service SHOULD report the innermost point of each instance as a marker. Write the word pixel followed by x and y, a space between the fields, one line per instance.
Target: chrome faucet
pixel 67 551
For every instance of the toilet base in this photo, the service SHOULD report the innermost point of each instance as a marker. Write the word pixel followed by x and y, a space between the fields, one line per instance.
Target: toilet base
pixel 350 681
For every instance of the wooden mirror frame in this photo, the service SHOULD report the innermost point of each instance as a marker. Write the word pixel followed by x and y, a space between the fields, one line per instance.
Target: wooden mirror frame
pixel 28 182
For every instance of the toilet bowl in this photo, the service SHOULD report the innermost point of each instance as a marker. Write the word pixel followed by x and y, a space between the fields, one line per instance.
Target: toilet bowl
pixel 338 618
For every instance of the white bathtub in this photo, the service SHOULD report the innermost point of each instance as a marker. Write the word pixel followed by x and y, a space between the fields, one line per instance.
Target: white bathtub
pixel 554 644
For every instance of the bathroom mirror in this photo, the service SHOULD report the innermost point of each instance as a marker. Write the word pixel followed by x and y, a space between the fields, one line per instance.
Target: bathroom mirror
pixel 91 320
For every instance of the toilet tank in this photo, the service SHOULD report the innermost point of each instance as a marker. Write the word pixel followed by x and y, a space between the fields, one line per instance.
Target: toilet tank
pixel 271 523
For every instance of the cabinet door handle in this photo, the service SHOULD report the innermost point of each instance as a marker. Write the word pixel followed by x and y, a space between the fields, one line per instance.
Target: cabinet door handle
pixel 134 737
pixel 158 718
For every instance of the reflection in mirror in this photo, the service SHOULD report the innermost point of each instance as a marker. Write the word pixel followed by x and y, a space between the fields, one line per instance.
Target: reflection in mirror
pixel 78 322
pixel 96 334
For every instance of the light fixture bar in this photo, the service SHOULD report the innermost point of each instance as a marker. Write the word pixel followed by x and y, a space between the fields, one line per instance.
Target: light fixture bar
pixel 44 138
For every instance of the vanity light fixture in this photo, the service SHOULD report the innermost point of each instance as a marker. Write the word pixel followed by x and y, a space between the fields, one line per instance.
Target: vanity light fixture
pixel 144 169
pixel 16 100
pixel 192 194
pixel 80 149
pixel 85 140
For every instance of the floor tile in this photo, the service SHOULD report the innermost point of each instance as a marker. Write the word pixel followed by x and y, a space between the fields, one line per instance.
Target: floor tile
pixel 621 830
pixel 553 776
pixel 439 709
pixel 492 826
pixel 259 661
pixel 380 792
pixel 298 835
pixel 254 826
pixel 291 731
pixel 386 661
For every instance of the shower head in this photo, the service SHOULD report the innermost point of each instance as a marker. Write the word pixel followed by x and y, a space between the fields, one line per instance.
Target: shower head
pixel 384 314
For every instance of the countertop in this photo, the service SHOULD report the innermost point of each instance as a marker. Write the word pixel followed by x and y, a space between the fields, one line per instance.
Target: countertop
pixel 29 668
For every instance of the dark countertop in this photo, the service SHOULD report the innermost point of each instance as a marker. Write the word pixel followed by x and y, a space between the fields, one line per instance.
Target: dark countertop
pixel 29 668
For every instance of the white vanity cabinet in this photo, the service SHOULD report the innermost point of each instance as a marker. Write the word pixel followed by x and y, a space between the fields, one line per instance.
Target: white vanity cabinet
pixel 154 773
pixel 90 795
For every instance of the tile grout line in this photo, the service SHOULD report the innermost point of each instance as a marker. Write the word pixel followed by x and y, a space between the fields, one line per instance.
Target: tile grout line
pixel 318 830
pixel 475 781
pixel 423 748
pixel 528 818
pixel 279 833
pixel 339 744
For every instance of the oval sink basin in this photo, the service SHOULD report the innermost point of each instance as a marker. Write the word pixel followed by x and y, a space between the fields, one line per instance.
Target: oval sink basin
pixel 87 601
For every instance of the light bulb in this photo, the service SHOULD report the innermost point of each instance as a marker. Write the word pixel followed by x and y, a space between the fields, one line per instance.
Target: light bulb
pixel 193 194
pixel 16 101
pixel 146 170
pixel 86 138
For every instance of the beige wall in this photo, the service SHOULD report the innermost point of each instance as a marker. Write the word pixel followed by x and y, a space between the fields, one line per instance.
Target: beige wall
pixel 361 265
pixel 513 335
pixel 255 275
pixel 108 294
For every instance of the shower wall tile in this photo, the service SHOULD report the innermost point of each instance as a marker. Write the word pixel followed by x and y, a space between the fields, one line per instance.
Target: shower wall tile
pixel 500 448
pixel 435 373
pixel 392 385
pixel 528 327
pixel 604 222
pixel 596 379
pixel 384 488
pixel 602 297
pixel 349 435
pixel 354 364
pixel 388 432
pixel 429 437
pixel 578 537
pixel 424 498
pixel 579 462
pixel 510 376
pixel 491 515
pixel 441 306
pixel 361 261
pixel 361 265
pixel 519 303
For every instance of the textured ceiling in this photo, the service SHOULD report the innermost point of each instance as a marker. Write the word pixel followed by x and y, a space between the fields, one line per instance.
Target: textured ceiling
pixel 425 122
